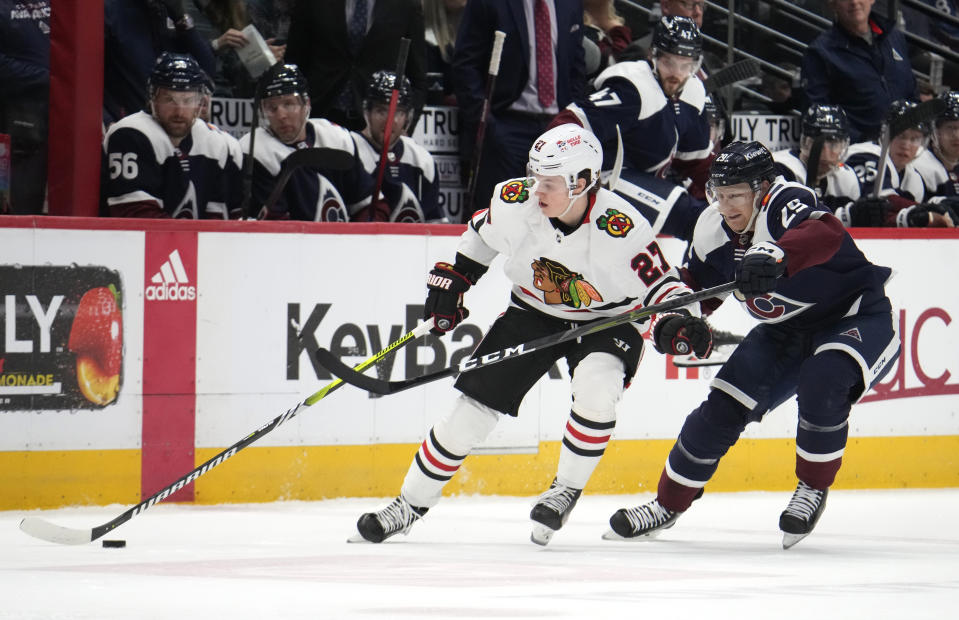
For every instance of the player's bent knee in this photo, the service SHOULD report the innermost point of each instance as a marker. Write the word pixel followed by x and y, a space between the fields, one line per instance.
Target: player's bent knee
pixel 466 425
pixel 597 386
pixel 829 382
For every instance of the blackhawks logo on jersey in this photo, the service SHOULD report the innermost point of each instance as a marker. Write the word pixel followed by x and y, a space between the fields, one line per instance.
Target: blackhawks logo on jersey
pixel 615 224
pixel 562 286
pixel 515 191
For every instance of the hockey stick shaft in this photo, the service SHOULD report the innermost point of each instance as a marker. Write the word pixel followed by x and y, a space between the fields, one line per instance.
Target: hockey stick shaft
pixel 812 162
pixel 498 38
pixel 736 72
pixel 388 128
pixel 248 163
pixel 40 528
pixel 371 384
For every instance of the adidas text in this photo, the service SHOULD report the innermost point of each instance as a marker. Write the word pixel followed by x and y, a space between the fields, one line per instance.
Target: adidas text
pixel 170 292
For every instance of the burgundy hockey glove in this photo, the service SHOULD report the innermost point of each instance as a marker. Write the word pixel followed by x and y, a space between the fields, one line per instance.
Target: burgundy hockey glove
pixel 679 334
pixel 762 264
pixel 444 301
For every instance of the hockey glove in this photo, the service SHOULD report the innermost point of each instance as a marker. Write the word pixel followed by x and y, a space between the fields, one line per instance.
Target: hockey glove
pixel 922 216
pixel 868 212
pixel 680 334
pixel 762 264
pixel 444 300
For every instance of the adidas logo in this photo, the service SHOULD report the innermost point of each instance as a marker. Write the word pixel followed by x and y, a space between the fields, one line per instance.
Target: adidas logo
pixel 171 282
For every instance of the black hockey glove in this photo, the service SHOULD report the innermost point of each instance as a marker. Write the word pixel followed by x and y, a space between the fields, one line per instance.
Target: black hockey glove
pixel 444 301
pixel 868 212
pixel 762 264
pixel 680 334
pixel 918 216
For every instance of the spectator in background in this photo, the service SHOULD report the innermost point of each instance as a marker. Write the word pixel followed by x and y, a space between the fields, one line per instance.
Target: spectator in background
pixel 605 37
pixel 220 22
pixel 442 20
pixel 861 64
pixel 24 101
pixel 338 44
pixel 410 182
pixel 162 163
pixel 313 193
pixel 136 32
pixel 542 71
pixel 693 9
pixel 272 19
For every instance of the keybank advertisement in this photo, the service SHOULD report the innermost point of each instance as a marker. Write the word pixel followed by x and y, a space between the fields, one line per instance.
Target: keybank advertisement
pixel 73 351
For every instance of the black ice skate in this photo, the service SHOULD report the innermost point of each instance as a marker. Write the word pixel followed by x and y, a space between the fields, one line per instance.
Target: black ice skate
pixel 802 513
pixel 646 521
pixel 397 518
pixel 551 511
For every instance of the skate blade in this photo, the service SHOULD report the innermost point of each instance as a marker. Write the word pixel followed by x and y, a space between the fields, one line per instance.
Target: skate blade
pixel 541 535
pixel 791 539
pixel 612 535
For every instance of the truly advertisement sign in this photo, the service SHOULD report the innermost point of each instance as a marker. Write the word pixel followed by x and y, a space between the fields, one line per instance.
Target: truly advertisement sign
pixel 62 345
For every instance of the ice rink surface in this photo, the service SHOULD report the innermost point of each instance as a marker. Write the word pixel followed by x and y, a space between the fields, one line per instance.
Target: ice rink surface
pixel 874 554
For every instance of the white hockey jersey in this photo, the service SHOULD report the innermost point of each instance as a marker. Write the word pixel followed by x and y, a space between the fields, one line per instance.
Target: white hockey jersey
pixel 938 180
pixel 607 265
pixel 838 187
pixel 863 157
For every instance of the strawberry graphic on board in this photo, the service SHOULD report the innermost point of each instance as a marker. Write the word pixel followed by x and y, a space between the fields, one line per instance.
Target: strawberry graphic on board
pixel 96 337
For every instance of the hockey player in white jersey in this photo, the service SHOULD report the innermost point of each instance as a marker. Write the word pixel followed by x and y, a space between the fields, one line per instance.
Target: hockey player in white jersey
pixel 939 164
pixel 658 106
pixel 902 200
pixel 410 178
pixel 835 184
pixel 574 252
pixel 312 194
pixel 164 161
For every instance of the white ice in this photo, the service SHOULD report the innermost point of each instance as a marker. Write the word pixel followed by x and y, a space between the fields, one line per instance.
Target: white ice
pixel 875 554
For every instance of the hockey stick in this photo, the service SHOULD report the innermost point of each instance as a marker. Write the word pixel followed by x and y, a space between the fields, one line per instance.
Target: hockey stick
pixel 925 112
pixel 377 386
pixel 315 157
pixel 498 37
pixel 248 162
pixel 388 128
pixel 613 180
pixel 721 340
pixel 44 530
pixel 736 72
pixel 812 163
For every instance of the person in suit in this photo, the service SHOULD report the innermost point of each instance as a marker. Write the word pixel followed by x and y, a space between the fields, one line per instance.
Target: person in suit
pixel 339 44
pixel 525 98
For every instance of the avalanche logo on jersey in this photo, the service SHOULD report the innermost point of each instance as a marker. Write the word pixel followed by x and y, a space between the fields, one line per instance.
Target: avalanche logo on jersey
pixel 615 224
pixel 772 308
pixel 562 286
pixel 515 191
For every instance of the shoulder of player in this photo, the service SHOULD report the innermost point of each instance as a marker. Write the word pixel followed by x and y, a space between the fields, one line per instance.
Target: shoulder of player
pixel 333 136
pixel 709 234
pixel 694 93
pixel 138 133
pixel 613 216
pixel 634 80
pixel 267 150
pixel 416 154
pixel 365 151
pixel 862 150
pixel 785 161
pixel 210 141
pixel 782 192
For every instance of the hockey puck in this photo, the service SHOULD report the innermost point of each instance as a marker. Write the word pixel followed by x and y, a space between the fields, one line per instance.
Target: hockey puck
pixel 114 544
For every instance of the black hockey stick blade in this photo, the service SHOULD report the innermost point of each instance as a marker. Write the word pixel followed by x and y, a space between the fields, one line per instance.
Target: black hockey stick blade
pixel 50 532
pixel 315 157
pixel 378 386
pixel 736 72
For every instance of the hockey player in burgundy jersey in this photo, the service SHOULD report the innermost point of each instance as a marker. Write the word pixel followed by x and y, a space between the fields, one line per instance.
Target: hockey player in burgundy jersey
pixel 659 108
pixel 410 178
pixel 835 184
pixel 165 162
pixel 825 334
pixel 312 194
pixel 574 252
